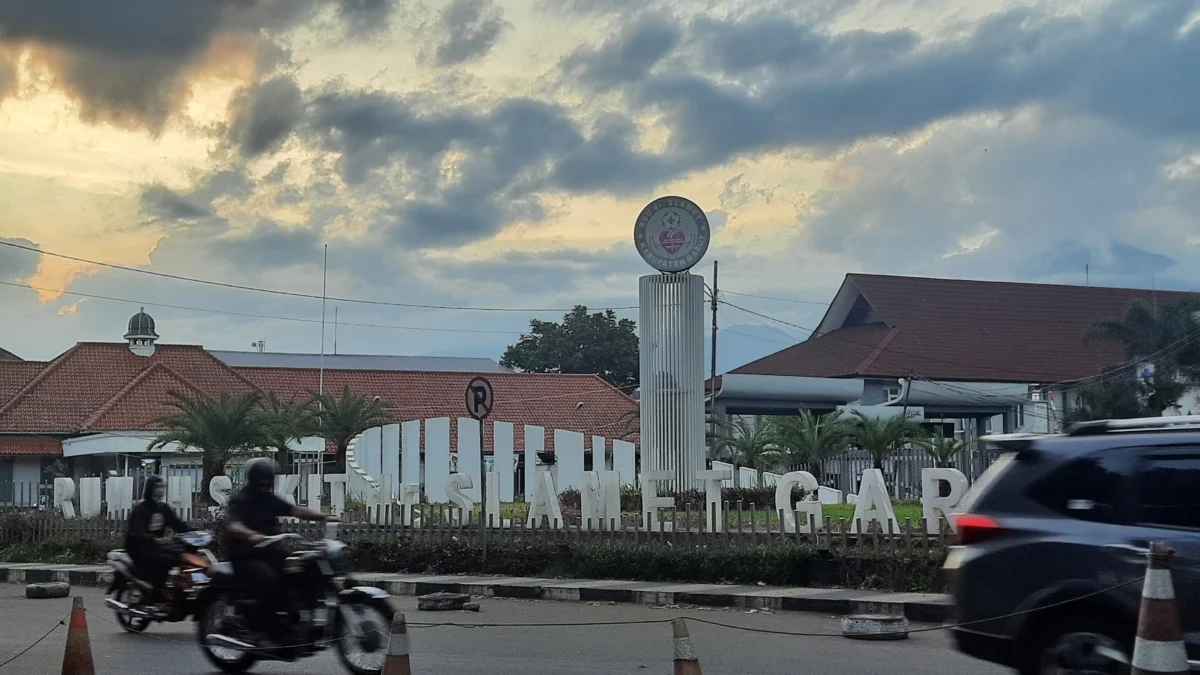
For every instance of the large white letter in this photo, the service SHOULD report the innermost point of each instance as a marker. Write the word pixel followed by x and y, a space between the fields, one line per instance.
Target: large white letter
pixel 337 492
pixel 712 479
pixel 64 492
pixel 933 505
pixel 89 497
pixel 285 487
pixel 545 503
pixel 455 484
pixel 120 496
pixel 873 503
pixel 410 495
pixel 600 499
pixel 314 492
pixel 219 488
pixel 179 495
pixel 651 502
pixel 783 499
pixel 491 510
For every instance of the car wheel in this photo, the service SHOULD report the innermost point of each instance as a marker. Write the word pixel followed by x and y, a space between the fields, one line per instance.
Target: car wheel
pixel 1082 643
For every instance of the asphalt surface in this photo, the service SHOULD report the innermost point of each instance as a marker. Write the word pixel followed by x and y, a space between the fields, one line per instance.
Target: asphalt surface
pixel 558 649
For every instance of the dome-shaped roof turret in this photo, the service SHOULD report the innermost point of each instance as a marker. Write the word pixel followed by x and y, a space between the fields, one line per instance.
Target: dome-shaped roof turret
pixel 141 325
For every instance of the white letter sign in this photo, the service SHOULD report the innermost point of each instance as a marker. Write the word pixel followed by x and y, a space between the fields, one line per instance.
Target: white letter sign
pixel 935 506
pixel 651 502
pixel 873 502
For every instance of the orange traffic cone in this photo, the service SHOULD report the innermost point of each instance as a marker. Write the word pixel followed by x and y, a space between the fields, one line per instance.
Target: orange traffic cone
pixel 397 650
pixel 686 662
pixel 77 660
pixel 1159 646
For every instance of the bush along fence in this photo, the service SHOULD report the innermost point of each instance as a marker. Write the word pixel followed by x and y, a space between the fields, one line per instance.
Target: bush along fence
pixel 439 542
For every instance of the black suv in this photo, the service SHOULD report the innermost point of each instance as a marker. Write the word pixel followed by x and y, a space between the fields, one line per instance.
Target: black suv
pixel 1062 522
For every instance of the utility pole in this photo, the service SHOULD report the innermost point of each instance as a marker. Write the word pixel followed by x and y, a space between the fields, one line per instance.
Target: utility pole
pixel 712 379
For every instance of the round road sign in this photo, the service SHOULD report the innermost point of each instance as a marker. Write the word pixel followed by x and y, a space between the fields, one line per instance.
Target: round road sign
pixel 479 398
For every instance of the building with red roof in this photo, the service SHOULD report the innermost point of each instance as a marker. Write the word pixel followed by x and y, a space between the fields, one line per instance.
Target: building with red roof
pixel 96 404
pixel 1002 355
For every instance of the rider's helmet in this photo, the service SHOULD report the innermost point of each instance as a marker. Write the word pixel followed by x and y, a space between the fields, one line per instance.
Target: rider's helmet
pixel 260 474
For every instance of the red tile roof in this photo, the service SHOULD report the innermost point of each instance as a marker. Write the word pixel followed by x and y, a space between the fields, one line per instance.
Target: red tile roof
pixel 105 387
pixel 947 329
pixel 66 395
pixel 546 400
pixel 30 445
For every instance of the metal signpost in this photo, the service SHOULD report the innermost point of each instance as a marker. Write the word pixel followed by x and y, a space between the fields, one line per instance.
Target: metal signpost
pixel 479 405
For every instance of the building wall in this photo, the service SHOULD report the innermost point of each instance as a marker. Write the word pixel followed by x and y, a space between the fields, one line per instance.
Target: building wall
pixel 27 469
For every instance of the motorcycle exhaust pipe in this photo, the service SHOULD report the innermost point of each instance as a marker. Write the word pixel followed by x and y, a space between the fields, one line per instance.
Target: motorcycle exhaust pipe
pixel 123 608
pixel 226 642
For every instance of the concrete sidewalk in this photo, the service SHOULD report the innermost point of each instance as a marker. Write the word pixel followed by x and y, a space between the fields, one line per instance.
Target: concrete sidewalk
pixel 927 607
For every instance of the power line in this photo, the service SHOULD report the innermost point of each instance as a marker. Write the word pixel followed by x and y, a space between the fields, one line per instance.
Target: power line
pixel 93 296
pixel 294 294
pixel 767 297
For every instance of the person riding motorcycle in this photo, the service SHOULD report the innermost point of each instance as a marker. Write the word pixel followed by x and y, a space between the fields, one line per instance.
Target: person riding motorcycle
pixel 252 515
pixel 146 537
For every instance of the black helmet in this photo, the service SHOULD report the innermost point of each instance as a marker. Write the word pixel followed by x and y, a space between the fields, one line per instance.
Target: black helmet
pixel 260 473
pixel 152 482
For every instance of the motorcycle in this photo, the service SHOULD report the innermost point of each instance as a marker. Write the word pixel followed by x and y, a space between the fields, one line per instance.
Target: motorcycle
pixel 184 584
pixel 325 608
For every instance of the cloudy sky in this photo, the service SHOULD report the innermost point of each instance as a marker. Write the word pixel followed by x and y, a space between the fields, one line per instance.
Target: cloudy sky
pixel 495 153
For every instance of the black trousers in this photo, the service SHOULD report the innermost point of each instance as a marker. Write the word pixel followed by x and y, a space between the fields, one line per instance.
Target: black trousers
pixel 263 574
pixel 153 566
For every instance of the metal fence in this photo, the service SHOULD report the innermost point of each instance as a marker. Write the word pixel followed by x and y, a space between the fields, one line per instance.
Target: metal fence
pixel 738 527
pixel 901 471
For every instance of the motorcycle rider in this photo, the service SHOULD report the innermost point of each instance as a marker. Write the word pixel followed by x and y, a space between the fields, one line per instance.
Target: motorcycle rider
pixel 253 514
pixel 146 537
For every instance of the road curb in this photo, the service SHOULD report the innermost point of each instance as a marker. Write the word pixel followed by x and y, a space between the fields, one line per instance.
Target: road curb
pixel 921 607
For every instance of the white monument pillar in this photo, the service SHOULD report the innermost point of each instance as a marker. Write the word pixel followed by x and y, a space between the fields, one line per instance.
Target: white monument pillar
pixel 672 234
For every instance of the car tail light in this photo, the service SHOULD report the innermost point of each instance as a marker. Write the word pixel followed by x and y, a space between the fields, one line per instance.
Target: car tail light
pixel 973 528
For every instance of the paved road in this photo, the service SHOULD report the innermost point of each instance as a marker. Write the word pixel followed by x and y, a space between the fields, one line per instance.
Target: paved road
pixel 558 650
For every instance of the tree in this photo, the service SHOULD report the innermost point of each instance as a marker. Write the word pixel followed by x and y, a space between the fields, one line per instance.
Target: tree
pixel 340 419
pixel 807 438
pixel 943 449
pixel 880 437
pixel 596 344
pixel 220 428
pixel 286 423
pixel 750 446
pixel 1164 337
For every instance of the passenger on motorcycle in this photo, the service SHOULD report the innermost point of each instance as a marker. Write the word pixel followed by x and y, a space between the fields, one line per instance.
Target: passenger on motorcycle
pixel 253 514
pixel 146 538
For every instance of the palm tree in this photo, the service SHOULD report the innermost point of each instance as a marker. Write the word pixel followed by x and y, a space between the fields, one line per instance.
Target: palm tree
pixel 1166 337
pixel 880 437
pixel 340 419
pixel 286 423
pixel 221 428
pixel 807 438
pixel 943 449
pixel 750 446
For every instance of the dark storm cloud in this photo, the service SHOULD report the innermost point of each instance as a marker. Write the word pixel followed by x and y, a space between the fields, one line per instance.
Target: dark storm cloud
pixel 781 83
pixel 366 17
pixel 609 161
pixel 625 57
pixel 127 62
pixel 470 29
pixel 167 206
pixel 264 115
pixel 15 264
pixel 508 154
pixel 268 245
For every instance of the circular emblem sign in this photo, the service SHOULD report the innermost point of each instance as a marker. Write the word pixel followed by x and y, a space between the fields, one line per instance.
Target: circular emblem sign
pixel 671 234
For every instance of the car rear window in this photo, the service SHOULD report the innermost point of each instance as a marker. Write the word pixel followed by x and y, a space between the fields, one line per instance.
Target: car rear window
pixel 1088 488
pixel 1169 491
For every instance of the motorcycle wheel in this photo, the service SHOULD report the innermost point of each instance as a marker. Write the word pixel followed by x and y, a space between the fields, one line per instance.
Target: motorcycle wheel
pixel 123 592
pixel 364 651
pixel 226 660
